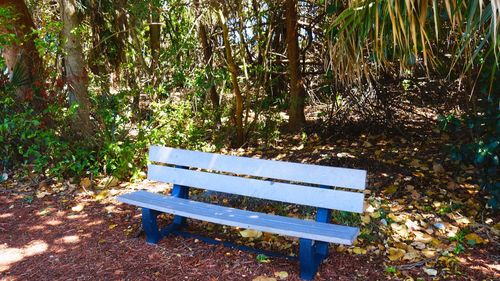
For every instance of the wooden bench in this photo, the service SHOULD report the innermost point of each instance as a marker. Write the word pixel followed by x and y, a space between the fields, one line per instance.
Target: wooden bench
pixel 325 188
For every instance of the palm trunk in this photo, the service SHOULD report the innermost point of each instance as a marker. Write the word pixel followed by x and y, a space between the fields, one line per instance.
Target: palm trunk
pixel 76 75
pixel 297 92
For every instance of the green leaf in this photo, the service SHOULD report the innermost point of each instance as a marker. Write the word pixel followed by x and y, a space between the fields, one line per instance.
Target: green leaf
pixel 263 258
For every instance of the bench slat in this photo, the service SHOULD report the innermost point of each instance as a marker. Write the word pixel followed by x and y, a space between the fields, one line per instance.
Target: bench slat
pixel 284 192
pixel 306 173
pixel 241 218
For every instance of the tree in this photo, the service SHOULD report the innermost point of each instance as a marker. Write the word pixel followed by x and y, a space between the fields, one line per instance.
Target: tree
pixel 21 57
pixel 297 92
pixel 76 74
pixel 233 70
pixel 366 37
pixel 154 35
pixel 207 57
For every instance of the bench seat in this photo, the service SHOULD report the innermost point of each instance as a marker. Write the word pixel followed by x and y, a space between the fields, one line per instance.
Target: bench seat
pixel 241 218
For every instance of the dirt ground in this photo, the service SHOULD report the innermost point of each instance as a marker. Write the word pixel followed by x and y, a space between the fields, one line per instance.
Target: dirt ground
pixel 47 240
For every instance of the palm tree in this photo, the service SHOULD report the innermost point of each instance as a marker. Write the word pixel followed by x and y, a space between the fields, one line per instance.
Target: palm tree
pixel 371 35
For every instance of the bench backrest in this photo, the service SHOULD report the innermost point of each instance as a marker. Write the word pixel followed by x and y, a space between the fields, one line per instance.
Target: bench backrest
pixel 311 185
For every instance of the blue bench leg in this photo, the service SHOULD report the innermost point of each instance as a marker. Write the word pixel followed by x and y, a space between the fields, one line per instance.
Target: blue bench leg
pixel 180 191
pixel 321 250
pixel 308 260
pixel 150 225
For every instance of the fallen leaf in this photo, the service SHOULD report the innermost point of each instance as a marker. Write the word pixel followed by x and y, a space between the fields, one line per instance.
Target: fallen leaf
pixel 359 251
pixel 262 258
pixel 391 189
pixel 264 278
pixel 438 168
pixel 473 239
pixel 102 195
pixel 42 194
pixel 365 219
pixel 85 182
pixel 411 255
pixel 281 274
pixel 418 245
pixel 396 254
pixel 250 233
pixel 401 230
pixel 430 271
pixel 108 182
pixel 496 229
pixel 415 163
pixel 370 209
pixel 439 225
pixel 463 221
pixel 78 208
pixel 429 253
pixel 422 237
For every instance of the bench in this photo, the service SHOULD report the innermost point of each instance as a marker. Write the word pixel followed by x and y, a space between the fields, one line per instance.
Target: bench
pixel 325 188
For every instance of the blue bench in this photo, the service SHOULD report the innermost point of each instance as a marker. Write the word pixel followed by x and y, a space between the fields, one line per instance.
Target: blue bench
pixel 325 188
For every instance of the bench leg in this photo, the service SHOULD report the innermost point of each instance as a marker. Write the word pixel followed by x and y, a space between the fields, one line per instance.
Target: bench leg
pixel 180 191
pixel 321 250
pixel 150 225
pixel 307 257
pixel 311 254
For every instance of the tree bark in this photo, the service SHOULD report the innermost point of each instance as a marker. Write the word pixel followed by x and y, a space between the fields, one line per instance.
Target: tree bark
pixel 22 55
pixel 233 70
pixel 154 36
pixel 207 57
pixel 297 92
pixel 76 75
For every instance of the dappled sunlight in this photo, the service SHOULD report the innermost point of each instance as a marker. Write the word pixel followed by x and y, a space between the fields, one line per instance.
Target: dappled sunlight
pixel 53 222
pixel 486 266
pixel 110 208
pixel 69 239
pixel 94 223
pixel 9 255
pixel 76 216
pixel 6 215
pixel 35 228
pixel 43 237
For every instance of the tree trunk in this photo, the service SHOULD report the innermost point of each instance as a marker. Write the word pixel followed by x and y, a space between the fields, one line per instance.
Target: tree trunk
pixel 154 36
pixel 297 92
pixel 76 75
pixel 233 69
pixel 276 82
pixel 207 57
pixel 22 55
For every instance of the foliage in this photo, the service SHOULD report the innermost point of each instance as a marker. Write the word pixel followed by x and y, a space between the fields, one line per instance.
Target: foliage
pixel 31 140
pixel 175 126
pixel 372 36
pixel 478 133
pixel 158 73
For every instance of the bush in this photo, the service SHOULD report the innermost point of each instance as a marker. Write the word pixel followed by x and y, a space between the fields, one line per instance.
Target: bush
pixel 478 134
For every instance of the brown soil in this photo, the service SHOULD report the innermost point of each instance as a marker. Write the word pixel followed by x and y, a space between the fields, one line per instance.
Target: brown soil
pixel 46 240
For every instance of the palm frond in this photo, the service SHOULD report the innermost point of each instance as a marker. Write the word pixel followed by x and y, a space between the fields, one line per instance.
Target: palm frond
pixel 382 33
